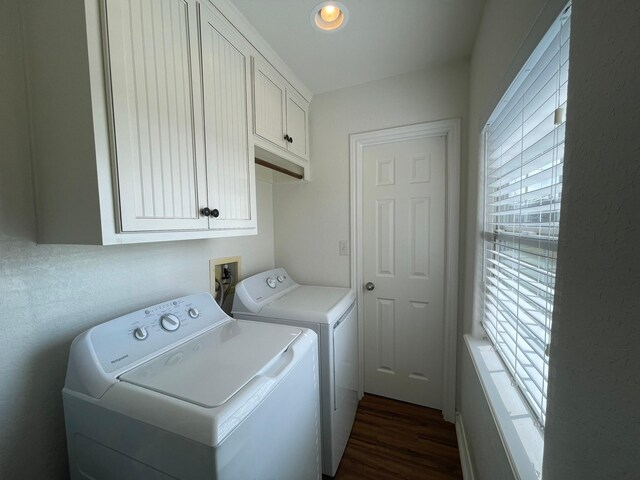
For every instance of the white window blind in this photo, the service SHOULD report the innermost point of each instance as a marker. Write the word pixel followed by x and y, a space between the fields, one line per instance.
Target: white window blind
pixel 524 151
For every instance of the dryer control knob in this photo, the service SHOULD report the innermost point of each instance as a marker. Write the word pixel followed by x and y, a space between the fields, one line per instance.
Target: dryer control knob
pixel 170 322
pixel 194 312
pixel 271 282
pixel 140 333
pixel 280 278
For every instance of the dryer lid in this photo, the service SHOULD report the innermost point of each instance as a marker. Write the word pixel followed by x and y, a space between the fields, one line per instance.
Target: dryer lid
pixel 210 369
pixel 311 304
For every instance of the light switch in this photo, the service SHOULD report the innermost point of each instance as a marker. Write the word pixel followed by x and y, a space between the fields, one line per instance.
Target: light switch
pixel 344 247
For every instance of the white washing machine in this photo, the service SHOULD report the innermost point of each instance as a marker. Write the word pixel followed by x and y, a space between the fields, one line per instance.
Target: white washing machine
pixel 181 390
pixel 274 297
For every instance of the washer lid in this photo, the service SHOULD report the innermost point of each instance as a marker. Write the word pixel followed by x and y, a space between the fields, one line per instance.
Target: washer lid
pixel 210 369
pixel 311 304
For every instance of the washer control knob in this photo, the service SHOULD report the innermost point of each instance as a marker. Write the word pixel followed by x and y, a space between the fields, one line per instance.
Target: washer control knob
pixel 194 312
pixel 140 333
pixel 271 282
pixel 170 322
pixel 280 278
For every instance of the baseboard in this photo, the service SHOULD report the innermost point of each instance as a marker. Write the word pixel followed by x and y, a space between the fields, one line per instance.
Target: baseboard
pixel 463 448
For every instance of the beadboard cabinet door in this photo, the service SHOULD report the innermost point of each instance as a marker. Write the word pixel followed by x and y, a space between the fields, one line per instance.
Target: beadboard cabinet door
pixel 297 121
pixel 226 83
pixel 270 104
pixel 156 107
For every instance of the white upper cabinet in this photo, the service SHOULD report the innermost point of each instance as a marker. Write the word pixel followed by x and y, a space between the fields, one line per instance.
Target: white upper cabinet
pixel 153 56
pixel 142 117
pixel 175 81
pixel 297 124
pixel 280 114
pixel 269 109
pixel 227 112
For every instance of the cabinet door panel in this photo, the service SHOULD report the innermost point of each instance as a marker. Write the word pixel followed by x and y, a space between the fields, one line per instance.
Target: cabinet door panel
pixel 270 95
pixel 228 143
pixel 160 169
pixel 297 109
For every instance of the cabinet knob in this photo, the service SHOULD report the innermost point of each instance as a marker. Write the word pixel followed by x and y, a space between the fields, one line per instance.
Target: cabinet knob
pixel 290 139
pixel 206 211
pixel 215 213
pixel 287 138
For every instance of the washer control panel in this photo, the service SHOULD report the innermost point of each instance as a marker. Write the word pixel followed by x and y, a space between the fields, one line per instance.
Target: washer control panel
pixel 127 339
pixel 256 291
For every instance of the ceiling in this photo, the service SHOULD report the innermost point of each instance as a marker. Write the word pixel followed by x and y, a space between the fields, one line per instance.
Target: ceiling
pixel 382 37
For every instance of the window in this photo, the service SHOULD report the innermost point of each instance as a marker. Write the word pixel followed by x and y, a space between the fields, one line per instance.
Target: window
pixel 524 151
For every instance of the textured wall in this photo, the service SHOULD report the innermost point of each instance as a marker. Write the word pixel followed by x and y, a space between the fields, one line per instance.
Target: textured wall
pixel 593 427
pixel 49 294
pixel 487 453
pixel 507 34
pixel 311 218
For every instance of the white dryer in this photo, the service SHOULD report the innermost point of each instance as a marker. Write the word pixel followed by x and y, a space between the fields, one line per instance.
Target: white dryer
pixel 181 390
pixel 273 297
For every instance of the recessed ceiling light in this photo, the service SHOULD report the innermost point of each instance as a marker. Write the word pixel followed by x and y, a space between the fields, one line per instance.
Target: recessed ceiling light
pixel 329 16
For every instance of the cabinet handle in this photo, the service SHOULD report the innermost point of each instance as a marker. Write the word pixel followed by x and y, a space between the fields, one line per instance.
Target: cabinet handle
pixel 206 211
pixel 215 212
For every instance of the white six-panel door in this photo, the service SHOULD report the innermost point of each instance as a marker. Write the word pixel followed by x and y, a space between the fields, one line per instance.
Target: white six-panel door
pixel 153 60
pixel 404 190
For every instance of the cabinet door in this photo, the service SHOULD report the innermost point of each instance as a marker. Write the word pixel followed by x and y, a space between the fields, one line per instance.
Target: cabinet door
pixel 297 121
pixel 227 113
pixel 269 112
pixel 156 106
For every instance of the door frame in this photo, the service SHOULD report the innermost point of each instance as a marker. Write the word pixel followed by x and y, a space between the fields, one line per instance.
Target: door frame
pixel 449 128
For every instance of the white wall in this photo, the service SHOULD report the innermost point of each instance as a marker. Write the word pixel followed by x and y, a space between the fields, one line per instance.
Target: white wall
pixel 593 425
pixel 593 420
pixel 49 294
pixel 311 218
pixel 488 456
pixel 507 34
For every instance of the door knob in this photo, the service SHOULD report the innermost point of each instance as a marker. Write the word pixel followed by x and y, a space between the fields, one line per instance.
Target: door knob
pixel 369 286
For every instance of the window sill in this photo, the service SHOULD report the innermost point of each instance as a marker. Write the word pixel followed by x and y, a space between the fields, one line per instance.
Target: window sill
pixel 522 440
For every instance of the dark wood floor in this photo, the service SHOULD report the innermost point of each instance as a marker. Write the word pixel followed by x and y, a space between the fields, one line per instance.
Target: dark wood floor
pixel 397 440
